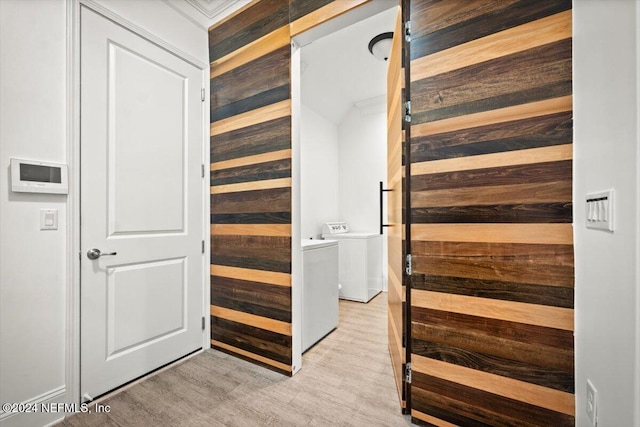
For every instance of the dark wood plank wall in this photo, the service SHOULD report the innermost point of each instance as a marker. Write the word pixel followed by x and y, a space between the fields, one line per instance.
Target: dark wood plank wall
pixel 491 210
pixel 250 120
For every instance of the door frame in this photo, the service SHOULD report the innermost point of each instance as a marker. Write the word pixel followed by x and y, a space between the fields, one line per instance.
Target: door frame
pixel 73 146
pixel 297 41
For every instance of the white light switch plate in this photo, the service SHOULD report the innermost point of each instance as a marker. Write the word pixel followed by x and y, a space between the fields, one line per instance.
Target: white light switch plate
pixel 48 219
pixel 599 210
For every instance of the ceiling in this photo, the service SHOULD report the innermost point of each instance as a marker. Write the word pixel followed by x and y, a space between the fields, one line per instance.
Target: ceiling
pixel 205 13
pixel 338 71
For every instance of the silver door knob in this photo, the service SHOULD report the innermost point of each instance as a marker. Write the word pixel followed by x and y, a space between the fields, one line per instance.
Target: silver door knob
pixel 95 253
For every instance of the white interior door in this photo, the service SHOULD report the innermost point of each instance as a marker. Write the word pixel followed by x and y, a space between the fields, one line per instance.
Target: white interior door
pixel 141 205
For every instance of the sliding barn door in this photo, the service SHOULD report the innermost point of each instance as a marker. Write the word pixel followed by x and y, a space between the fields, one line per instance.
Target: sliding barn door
pixel 395 201
pixel 492 288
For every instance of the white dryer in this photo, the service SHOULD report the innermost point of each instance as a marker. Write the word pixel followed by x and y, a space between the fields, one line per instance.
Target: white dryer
pixel 360 265
pixel 319 290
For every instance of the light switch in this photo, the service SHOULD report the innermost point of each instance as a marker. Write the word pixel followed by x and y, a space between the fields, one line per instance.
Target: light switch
pixel 599 210
pixel 48 219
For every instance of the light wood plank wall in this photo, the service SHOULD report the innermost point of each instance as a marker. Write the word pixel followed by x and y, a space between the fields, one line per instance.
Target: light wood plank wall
pixel 250 124
pixel 395 208
pixel 492 295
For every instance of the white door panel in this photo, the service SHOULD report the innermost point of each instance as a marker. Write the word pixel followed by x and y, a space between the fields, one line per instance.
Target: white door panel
pixel 141 199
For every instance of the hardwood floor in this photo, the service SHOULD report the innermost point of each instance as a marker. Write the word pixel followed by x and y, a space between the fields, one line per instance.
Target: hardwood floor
pixel 346 380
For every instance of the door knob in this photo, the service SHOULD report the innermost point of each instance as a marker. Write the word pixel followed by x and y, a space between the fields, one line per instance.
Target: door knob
pixel 95 253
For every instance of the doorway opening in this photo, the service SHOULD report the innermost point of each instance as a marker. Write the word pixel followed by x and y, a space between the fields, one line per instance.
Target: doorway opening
pixel 340 149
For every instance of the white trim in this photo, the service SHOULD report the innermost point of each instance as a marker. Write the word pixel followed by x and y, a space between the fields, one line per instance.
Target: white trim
pixel 296 209
pixel 206 197
pixel 72 359
pixel 72 362
pixel 637 337
pixel 57 395
pixel 123 22
pixel 186 15
pixel 218 11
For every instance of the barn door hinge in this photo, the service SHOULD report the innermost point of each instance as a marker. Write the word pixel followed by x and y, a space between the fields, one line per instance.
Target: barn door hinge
pixel 203 320
pixel 407 373
pixel 408 267
pixel 203 246
pixel 202 94
pixel 407 111
pixel 407 31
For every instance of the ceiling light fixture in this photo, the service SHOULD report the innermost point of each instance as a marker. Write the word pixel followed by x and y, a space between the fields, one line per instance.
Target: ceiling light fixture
pixel 380 46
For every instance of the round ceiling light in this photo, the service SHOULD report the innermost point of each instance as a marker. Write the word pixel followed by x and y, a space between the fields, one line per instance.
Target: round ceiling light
pixel 380 46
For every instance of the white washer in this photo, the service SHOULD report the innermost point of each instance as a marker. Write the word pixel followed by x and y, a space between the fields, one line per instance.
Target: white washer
pixel 360 266
pixel 319 290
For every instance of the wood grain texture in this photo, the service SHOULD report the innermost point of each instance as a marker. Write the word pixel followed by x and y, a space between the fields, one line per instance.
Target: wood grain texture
pixel 528 393
pixel 256 298
pixel 270 156
pixel 500 115
pixel 533 34
pixel 395 233
pixel 556 153
pixel 531 314
pixel 479 408
pixel 252 186
pixel 250 52
pixel 502 289
pixel 268 136
pixel 255 358
pixel 254 339
pixel 251 229
pixel 475 20
pixel 259 115
pixel 542 131
pixel 549 234
pixel 270 277
pixel 254 252
pixel 252 23
pixel 264 201
pixel 245 318
pixel 511 175
pixel 254 172
pixel 323 14
pixel 528 76
pixel 258 83
pixel 471 357
pixel 300 8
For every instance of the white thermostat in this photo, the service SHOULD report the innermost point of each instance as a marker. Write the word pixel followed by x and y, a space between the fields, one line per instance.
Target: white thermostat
pixel 28 176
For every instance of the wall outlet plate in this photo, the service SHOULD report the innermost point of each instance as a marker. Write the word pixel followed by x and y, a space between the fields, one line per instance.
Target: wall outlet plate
pixel 592 400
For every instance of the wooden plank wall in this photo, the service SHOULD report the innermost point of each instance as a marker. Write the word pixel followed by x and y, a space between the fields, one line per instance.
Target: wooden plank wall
pixel 395 205
pixel 491 209
pixel 250 123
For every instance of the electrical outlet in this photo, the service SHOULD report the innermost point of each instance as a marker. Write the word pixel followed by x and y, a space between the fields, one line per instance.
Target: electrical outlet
pixel 592 400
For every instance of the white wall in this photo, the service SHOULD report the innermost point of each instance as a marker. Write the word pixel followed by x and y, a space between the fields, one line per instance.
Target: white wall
pixel 606 144
pixel 363 164
pixel 32 262
pixel 33 124
pixel 319 173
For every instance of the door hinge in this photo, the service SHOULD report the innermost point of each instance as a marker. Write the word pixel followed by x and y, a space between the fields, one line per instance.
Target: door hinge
pixel 202 94
pixel 203 246
pixel 407 373
pixel 408 265
pixel 203 320
pixel 407 31
pixel 202 170
pixel 407 111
